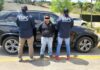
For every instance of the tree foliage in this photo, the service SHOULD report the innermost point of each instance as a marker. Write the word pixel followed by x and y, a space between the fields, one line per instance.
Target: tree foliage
pixel 87 6
pixel 97 6
pixel 1 4
pixel 59 5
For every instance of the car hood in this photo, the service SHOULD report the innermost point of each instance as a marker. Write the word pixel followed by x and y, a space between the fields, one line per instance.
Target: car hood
pixel 82 29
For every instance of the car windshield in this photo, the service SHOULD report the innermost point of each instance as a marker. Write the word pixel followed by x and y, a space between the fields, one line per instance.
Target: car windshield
pixel 53 18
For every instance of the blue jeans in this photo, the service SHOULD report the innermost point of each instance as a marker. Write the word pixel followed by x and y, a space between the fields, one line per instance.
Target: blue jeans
pixel 46 41
pixel 67 42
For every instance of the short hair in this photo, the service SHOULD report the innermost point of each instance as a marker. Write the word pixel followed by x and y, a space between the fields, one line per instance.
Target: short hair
pixel 47 16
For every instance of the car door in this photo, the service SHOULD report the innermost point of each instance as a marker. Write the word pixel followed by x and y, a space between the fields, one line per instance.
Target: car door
pixel 41 18
pixel 53 17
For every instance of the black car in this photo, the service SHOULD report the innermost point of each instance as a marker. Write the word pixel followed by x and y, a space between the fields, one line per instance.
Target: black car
pixel 82 39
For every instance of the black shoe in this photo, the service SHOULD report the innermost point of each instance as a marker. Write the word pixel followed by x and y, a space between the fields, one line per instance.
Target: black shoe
pixel 31 57
pixel 41 56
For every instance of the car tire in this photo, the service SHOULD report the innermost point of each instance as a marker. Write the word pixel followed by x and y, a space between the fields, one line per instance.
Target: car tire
pixel 10 45
pixel 84 44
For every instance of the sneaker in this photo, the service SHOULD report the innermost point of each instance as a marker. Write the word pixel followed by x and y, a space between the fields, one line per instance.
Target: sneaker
pixel 41 56
pixel 57 58
pixel 68 58
pixel 20 60
pixel 31 58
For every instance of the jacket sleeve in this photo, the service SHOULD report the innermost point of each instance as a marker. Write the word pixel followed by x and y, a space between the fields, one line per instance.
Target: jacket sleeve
pixel 40 28
pixel 72 23
pixel 17 22
pixel 53 28
pixel 58 24
pixel 32 22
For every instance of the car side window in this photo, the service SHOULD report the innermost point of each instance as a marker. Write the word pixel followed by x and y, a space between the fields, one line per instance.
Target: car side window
pixel 53 18
pixel 3 15
pixel 12 16
pixel 42 16
pixel 35 15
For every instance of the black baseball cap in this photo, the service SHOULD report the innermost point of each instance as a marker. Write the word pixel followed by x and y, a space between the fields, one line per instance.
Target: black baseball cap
pixel 66 10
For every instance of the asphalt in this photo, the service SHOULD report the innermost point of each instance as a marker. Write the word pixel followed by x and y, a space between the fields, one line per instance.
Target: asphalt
pixel 78 61
pixel 47 64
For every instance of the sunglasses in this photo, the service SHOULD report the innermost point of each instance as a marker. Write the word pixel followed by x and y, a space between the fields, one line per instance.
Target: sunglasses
pixel 47 18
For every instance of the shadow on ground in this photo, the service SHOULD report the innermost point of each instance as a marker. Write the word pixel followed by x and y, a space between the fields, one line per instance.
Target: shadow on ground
pixel 38 62
pixel 47 61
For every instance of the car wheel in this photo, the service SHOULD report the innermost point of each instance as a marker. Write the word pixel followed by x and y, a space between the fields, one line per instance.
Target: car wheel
pixel 84 44
pixel 10 45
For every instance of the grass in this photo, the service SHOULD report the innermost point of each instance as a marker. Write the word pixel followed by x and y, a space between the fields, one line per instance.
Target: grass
pixel 97 29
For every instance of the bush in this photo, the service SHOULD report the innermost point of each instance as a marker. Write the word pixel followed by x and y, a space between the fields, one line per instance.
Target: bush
pixel 59 5
pixel 97 29
pixel 97 6
pixel 87 6
pixel 1 4
pixel 1 7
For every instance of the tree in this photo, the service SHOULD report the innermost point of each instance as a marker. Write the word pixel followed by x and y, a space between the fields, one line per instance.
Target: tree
pixel 1 4
pixel 59 5
pixel 22 1
pixel 87 6
pixel 81 7
pixel 97 0
pixel 97 6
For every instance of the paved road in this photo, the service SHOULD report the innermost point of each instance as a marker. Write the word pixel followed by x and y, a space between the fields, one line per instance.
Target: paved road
pixel 87 61
pixel 73 64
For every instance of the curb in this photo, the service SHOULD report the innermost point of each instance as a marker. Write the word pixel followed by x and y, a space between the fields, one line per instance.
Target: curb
pixel 85 57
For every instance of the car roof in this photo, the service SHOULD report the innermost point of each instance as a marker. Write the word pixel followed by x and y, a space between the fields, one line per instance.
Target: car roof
pixel 39 11
pixel 28 11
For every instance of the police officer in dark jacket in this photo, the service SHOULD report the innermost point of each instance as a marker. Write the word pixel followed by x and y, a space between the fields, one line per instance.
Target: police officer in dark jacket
pixel 47 30
pixel 26 25
pixel 64 25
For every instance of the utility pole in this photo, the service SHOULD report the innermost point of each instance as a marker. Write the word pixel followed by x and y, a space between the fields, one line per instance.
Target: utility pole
pixel 81 5
pixel 91 14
